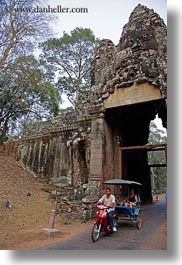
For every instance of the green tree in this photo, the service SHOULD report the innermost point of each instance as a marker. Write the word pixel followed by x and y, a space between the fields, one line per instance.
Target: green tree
pixel 159 174
pixel 69 60
pixel 25 95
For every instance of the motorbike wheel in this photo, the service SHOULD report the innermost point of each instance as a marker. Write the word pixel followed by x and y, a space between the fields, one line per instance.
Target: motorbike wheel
pixel 96 229
pixel 139 222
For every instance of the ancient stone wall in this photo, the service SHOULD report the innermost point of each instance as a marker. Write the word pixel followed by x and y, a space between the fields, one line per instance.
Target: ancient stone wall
pixel 58 153
pixel 11 149
pixel 58 150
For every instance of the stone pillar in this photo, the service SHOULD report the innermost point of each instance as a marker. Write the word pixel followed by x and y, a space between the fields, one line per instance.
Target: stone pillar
pixel 51 230
pixel 97 160
pixel 110 153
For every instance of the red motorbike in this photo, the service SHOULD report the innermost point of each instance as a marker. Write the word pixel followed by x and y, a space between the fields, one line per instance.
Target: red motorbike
pixel 101 222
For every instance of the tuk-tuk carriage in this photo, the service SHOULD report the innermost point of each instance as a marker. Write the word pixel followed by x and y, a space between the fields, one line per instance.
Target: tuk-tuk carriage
pixel 122 212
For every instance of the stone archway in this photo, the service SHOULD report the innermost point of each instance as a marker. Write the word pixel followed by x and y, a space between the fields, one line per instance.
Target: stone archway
pixel 128 128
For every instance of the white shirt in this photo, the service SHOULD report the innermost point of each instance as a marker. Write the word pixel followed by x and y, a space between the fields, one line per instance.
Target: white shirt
pixel 108 201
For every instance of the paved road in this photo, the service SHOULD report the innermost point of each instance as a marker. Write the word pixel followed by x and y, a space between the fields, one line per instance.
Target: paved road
pixel 128 237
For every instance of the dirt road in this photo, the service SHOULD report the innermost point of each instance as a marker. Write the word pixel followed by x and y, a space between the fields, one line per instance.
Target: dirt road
pixel 152 236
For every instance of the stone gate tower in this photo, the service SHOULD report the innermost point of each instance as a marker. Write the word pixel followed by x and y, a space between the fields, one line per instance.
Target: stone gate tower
pixel 129 82
pixel 108 137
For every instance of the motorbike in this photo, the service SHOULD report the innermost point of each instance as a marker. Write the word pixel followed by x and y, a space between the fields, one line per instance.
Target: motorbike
pixel 122 213
pixel 101 222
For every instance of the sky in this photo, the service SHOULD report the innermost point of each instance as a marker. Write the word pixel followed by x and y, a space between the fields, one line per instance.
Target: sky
pixel 105 18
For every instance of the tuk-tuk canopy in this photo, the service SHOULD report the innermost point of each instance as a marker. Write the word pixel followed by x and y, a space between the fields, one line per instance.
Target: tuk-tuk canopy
pixel 121 182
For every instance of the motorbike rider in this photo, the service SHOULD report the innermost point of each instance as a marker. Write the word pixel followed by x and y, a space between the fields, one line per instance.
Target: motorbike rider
pixel 109 200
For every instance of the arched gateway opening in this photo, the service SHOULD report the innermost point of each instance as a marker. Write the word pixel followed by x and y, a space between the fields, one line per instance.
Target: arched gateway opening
pixel 127 132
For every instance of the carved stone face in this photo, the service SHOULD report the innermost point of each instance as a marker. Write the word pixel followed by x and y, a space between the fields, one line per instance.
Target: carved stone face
pixel 141 53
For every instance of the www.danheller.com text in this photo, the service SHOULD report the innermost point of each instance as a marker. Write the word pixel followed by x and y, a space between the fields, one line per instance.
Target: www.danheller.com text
pixel 49 9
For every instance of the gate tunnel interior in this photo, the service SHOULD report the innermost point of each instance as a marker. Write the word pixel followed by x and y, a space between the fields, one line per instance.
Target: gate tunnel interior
pixel 129 126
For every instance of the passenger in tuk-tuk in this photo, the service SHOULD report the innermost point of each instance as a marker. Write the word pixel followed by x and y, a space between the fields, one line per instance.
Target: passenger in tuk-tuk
pixel 132 199
pixel 121 196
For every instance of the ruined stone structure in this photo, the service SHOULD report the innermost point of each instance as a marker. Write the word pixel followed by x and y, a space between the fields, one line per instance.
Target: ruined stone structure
pixel 77 151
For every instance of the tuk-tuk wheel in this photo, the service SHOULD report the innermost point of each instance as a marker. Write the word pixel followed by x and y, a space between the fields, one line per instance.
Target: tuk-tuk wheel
pixel 139 222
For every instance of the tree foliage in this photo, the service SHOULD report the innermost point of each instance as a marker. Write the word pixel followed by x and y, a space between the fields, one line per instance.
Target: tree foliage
pixel 159 174
pixel 25 95
pixel 69 59
pixel 20 28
